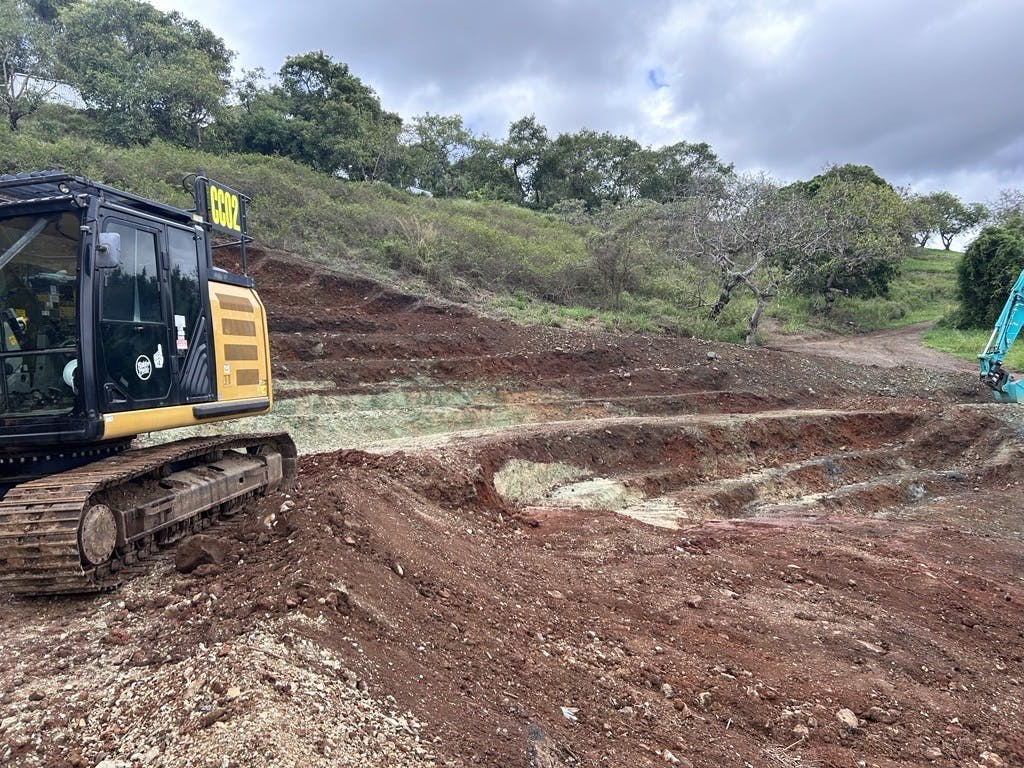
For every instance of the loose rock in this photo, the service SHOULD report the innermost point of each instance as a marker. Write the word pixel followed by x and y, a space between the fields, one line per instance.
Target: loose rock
pixel 848 718
pixel 198 550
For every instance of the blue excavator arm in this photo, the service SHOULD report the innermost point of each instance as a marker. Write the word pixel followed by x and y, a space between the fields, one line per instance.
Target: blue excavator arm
pixel 1005 387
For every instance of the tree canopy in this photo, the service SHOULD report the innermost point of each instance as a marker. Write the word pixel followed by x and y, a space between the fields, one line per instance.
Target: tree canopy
pixel 944 214
pixel 146 73
pixel 28 61
pixel 954 217
pixel 320 114
pixel 865 226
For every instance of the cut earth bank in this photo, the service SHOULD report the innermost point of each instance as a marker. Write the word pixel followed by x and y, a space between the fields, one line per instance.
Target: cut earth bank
pixel 527 546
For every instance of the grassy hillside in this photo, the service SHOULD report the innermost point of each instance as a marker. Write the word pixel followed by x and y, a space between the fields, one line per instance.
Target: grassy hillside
pixel 925 290
pixel 529 266
pixel 370 228
pixel 969 343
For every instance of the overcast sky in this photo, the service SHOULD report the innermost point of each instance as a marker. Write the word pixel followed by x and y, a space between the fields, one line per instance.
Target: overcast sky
pixel 925 91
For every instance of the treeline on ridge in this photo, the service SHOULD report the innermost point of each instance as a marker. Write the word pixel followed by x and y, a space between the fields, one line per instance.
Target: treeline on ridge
pixel 671 223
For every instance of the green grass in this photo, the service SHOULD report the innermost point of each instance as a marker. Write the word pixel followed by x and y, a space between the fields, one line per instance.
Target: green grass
pixel 938 273
pixel 636 315
pixel 968 344
pixel 924 290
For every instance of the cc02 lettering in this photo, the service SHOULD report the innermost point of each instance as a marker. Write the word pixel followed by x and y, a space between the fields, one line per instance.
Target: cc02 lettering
pixel 224 208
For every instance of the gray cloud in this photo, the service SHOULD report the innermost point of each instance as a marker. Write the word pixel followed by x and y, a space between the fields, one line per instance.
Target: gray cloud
pixel 908 91
pixel 925 92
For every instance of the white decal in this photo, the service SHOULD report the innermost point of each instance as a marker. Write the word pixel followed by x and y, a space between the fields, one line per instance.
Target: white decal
pixel 143 368
pixel 180 343
pixel 158 356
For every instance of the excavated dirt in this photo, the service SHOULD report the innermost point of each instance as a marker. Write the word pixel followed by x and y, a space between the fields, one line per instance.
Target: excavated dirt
pixel 563 549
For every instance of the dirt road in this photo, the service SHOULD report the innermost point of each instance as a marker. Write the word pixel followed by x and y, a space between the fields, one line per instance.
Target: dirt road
pixel 644 552
pixel 888 349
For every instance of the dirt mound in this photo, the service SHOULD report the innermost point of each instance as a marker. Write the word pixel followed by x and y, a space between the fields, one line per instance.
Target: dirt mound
pixel 684 553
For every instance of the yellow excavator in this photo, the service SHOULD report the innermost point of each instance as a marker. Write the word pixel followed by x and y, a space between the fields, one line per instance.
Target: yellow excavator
pixel 115 322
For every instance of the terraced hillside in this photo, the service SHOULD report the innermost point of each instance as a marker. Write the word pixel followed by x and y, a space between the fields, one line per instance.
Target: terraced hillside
pixel 529 546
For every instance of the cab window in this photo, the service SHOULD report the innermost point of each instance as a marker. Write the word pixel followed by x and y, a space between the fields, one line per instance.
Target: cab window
pixel 131 291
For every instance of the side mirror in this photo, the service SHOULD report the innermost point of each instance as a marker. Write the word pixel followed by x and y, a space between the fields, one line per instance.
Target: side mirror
pixel 108 250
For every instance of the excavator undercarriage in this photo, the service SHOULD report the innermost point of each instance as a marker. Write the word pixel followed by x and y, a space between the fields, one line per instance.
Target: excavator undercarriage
pixel 78 530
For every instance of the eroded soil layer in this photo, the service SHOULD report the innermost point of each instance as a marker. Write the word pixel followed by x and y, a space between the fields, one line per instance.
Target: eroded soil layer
pixel 675 553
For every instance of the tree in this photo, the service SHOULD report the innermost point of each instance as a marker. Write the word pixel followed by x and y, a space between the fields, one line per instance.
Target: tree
pixel 28 66
pixel 260 121
pixel 864 226
pixel 847 174
pixel 602 167
pixel 338 120
pixel 437 144
pixel 318 113
pixel 924 219
pixel 954 218
pixel 485 173
pixel 147 73
pixel 676 171
pixel 525 146
pixel 48 10
pixel 745 227
pixel 587 165
pixel 985 274
pixel 1008 209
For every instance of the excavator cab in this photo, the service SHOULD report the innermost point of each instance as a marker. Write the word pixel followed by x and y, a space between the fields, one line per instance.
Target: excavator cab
pixel 38 300
pixel 115 322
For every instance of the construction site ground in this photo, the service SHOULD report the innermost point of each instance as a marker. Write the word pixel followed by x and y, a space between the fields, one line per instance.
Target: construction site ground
pixel 527 546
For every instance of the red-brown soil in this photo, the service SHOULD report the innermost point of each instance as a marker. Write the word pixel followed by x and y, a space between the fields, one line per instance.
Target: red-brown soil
pixel 839 580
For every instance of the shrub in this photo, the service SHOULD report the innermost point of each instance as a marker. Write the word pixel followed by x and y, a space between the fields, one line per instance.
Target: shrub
pixel 986 273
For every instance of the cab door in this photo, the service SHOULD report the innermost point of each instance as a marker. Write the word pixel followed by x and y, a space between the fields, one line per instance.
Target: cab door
pixel 133 347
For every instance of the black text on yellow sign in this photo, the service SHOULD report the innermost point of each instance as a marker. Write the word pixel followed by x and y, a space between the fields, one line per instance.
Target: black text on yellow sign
pixel 225 208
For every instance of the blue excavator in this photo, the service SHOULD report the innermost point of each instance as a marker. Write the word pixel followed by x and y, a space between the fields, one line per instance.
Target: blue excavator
pixel 1006 387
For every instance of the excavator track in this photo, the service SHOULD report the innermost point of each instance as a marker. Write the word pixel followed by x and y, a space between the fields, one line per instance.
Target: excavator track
pixel 81 530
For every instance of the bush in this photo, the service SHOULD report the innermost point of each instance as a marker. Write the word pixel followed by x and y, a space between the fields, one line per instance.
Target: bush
pixel 986 273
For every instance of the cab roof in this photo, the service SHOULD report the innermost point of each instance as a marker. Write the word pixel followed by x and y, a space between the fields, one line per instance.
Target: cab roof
pixel 40 186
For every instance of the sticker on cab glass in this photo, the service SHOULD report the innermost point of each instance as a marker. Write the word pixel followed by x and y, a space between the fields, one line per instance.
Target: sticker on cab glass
pixel 143 367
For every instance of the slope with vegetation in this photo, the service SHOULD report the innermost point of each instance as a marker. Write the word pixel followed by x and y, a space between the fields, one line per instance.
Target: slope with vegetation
pixel 585 227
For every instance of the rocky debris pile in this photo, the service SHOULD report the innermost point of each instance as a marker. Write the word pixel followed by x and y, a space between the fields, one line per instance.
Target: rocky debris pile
pixel 125 688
